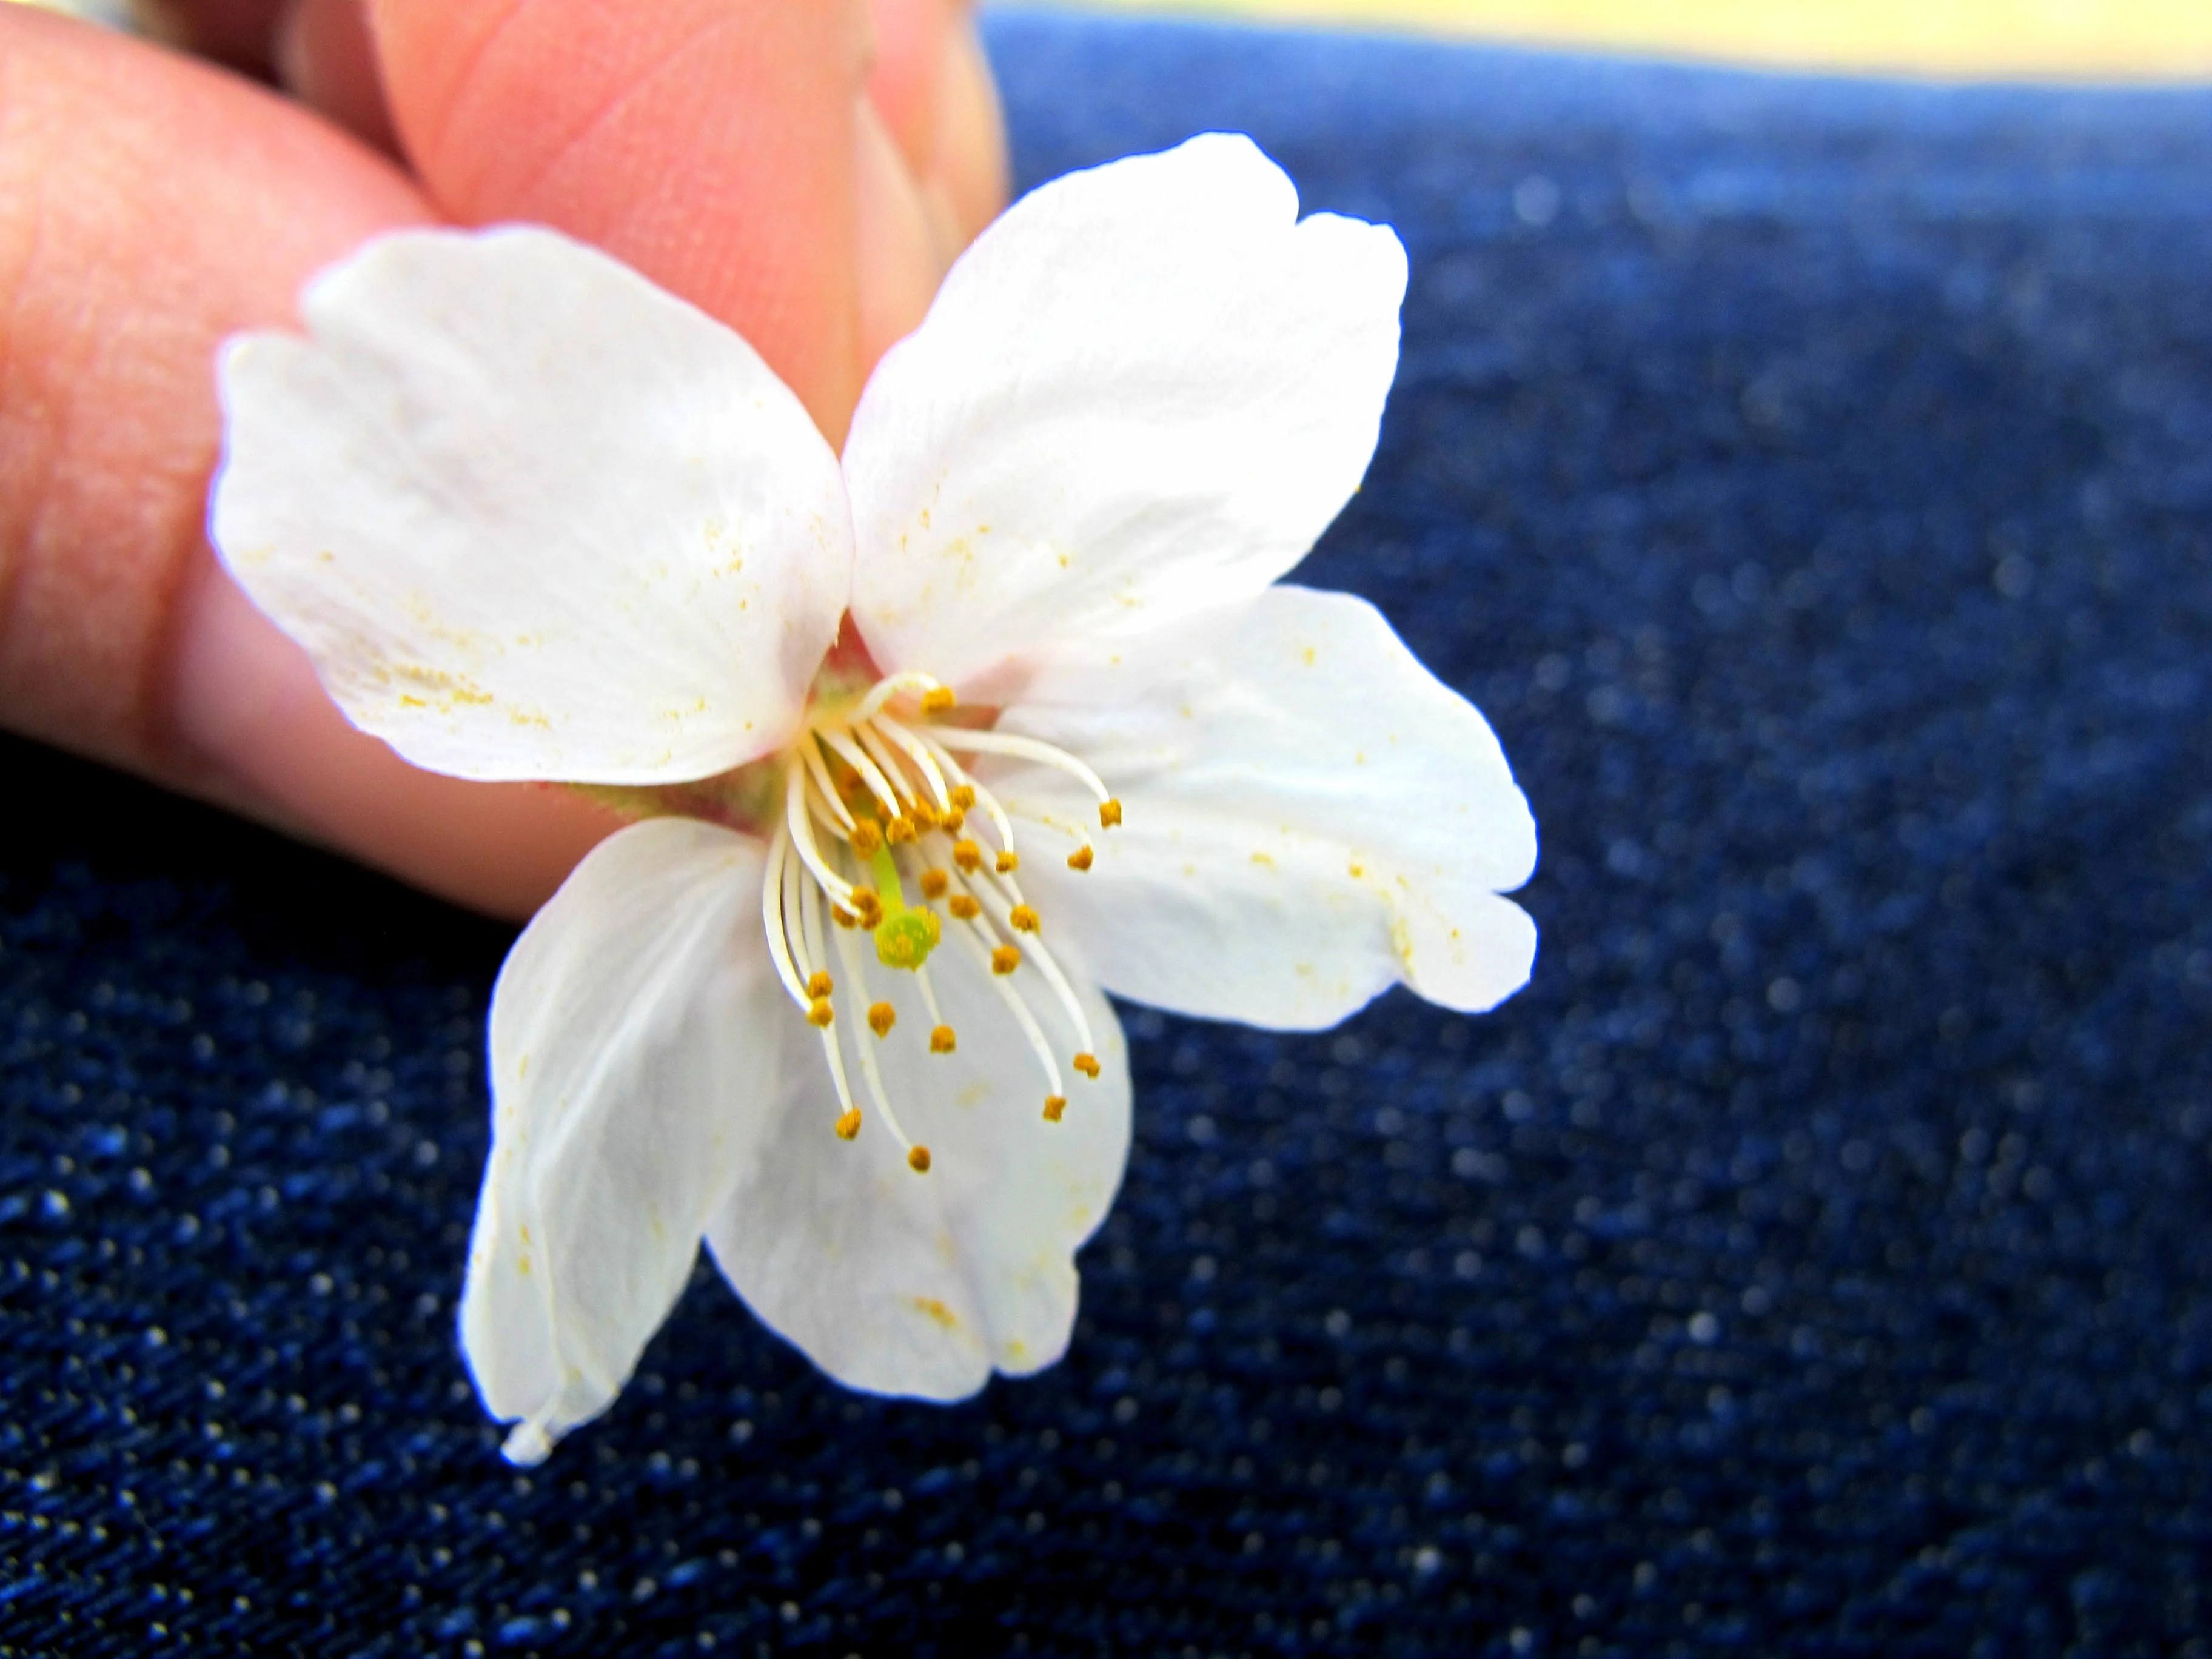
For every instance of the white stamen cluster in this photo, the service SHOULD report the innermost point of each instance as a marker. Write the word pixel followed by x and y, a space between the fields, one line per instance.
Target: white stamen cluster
pixel 875 802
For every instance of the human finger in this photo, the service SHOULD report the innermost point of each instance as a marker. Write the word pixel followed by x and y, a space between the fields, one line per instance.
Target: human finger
pixel 119 638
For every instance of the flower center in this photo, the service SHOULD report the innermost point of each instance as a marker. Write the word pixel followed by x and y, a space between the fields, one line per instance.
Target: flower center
pixel 881 826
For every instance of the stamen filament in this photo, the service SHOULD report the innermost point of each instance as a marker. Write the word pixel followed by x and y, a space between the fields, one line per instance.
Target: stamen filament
pixel 1006 743
pixel 772 918
pixel 869 1070
pixel 919 752
pixel 1034 950
pixel 802 835
pixel 894 769
pixel 888 687
pixel 819 769
pixel 1014 1006
pixel 871 775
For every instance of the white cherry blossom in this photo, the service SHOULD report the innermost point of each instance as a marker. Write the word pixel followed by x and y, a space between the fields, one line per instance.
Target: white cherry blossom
pixel 926 744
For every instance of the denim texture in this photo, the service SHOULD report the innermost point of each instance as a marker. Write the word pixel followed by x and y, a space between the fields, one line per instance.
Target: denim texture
pixel 1813 483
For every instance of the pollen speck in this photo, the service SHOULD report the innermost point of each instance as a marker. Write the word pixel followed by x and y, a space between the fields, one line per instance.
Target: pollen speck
pixel 1109 814
pixel 1087 1064
pixel 963 907
pixel 820 1014
pixel 918 1160
pixel 1054 1106
pixel 937 700
pixel 934 883
pixel 1024 919
pixel 1005 959
pixel 1009 862
pixel 930 1306
pixel 941 1041
pixel 1079 859
pixel 881 1018
pixel 820 985
pixel 849 1125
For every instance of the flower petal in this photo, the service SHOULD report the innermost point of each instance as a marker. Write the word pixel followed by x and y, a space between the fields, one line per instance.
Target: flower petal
pixel 530 516
pixel 633 1061
pixel 1308 816
pixel 920 1285
pixel 1144 391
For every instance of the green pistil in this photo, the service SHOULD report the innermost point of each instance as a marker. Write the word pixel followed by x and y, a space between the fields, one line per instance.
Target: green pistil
pixel 907 934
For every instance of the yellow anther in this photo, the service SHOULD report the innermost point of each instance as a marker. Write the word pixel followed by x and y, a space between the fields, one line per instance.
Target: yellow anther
pixel 964 796
pixel 1109 814
pixel 1087 1064
pixel 1024 919
pixel 882 1017
pixel 1079 859
pixel 918 1160
pixel 865 836
pixel 820 985
pixel 820 1013
pixel 867 906
pixel 899 831
pixel 843 917
pixel 849 1125
pixel 941 1041
pixel 1005 959
pixel 967 856
pixel 924 816
pixel 937 700
pixel 933 883
pixel 963 906
pixel 1009 862
pixel 1054 1106
pixel 953 821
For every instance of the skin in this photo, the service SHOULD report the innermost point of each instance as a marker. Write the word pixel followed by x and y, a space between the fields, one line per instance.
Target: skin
pixel 803 169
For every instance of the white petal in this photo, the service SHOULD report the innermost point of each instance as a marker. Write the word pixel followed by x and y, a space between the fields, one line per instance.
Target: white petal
pixel 1145 390
pixel 921 1284
pixel 1310 816
pixel 633 1061
pixel 530 516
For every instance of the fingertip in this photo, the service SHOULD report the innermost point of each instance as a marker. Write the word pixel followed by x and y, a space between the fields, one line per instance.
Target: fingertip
pixel 901 258
pixel 325 57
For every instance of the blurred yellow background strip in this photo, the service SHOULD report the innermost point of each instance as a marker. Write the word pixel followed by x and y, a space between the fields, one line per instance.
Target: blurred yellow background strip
pixel 2040 39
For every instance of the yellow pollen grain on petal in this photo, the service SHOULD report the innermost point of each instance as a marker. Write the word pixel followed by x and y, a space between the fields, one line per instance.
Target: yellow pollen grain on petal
pixel 820 1014
pixel 865 837
pixel 968 855
pixel 934 883
pixel 964 907
pixel 1087 1064
pixel 881 1018
pixel 918 1160
pixel 937 1310
pixel 1024 919
pixel 849 1124
pixel 937 699
pixel 964 796
pixel 941 1041
pixel 899 831
pixel 1005 959
pixel 1054 1106
pixel 1009 862
pixel 1079 859
pixel 1109 814
pixel 820 985
pixel 952 821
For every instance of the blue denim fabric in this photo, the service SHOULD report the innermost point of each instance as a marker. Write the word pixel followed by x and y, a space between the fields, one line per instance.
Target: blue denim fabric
pixel 1814 484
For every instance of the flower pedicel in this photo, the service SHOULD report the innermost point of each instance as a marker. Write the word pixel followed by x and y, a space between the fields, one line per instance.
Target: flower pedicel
pixel 924 744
